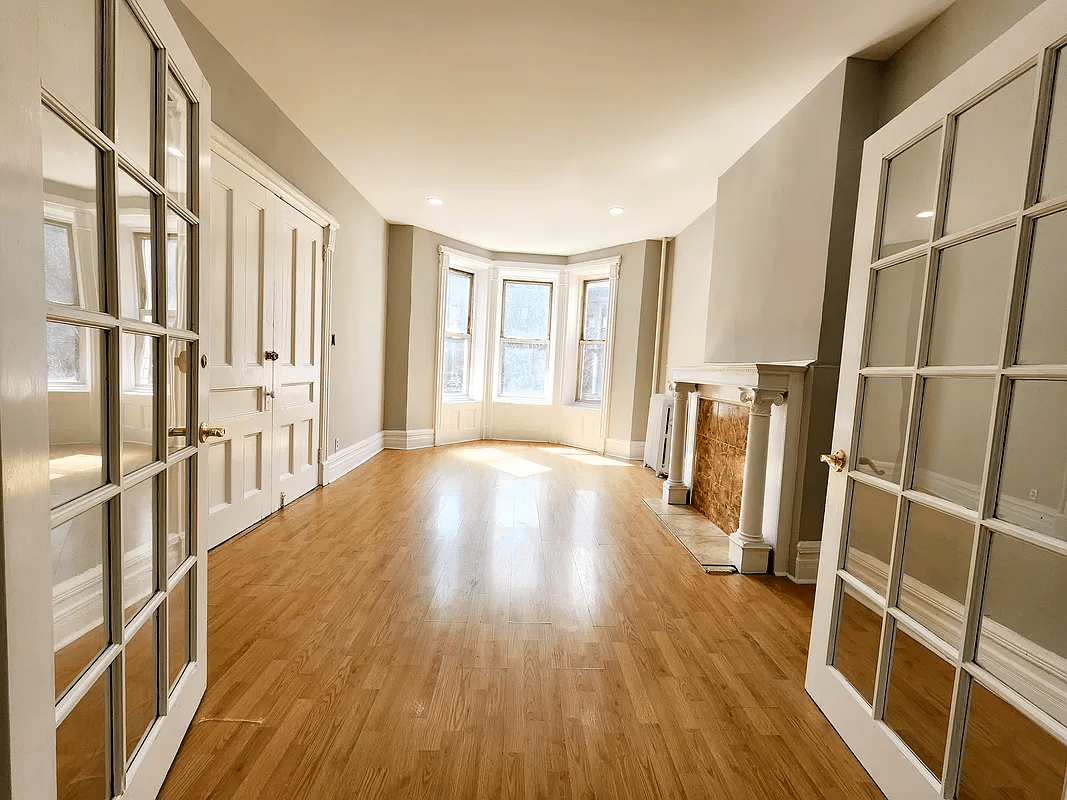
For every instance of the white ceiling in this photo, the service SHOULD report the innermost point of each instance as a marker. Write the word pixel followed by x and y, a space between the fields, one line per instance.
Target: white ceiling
pixel 531 118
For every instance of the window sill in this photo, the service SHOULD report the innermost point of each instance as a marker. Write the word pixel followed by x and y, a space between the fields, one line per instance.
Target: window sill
pixel 523 401
pixel 586 405
pixel 459 400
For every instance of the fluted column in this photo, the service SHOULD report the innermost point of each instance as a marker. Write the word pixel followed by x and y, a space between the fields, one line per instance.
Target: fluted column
pixel 675 491
pixel 748 550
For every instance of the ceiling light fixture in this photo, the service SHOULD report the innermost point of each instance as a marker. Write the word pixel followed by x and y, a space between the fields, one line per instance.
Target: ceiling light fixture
pixel 617 211
pixel 925 214
pixel 435 201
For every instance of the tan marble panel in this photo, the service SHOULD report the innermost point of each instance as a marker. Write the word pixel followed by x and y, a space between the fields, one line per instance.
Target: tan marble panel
pixel 719 461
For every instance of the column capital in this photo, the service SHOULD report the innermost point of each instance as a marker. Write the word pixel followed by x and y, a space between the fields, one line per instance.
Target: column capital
pixel 762 400
pixel 676 387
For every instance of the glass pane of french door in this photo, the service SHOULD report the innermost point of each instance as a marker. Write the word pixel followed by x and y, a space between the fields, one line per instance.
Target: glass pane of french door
pixel 120 226
pixel 947 620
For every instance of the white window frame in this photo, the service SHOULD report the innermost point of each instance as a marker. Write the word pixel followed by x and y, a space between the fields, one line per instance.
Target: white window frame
pixel 527 273
pixel 63 216
pixel 583 307
pixel 577 276
pixel 468 337
pixel 478 268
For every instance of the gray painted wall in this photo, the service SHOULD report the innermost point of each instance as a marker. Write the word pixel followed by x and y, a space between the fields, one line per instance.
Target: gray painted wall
pixel 243 109
pixel 688 294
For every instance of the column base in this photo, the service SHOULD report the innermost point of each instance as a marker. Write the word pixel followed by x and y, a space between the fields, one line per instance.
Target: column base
pixel 750 558
pixel 675 495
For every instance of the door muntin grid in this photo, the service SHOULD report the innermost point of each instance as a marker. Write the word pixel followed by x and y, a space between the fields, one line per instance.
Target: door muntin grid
pixel 953 636
pixel 125 675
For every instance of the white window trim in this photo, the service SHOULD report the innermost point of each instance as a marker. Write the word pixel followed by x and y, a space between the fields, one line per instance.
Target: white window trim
pixel 530 273
pixel 478 267
pixel 61 214
pixel 577 275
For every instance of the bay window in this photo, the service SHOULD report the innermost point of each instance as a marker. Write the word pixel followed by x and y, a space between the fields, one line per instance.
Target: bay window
pixel 525 339
pixel 459 301
pixel 592 343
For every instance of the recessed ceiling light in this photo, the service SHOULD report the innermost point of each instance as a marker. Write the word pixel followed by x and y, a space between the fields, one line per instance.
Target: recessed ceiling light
pixel 925 214
pixel 615 212
pixel 435 201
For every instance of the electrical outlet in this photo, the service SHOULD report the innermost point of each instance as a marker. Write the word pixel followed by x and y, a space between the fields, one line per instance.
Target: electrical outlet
pixel 1033 494
pixel 337 444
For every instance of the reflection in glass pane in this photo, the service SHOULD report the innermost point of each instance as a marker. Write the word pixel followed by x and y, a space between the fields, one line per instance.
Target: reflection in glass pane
pixel 884 419
pixel 140 684
pixel 138 546
pixel 523 369
pixel 76 421
pixel 1054 182
pixel 595 319
pixel 177 141
pixel 81 751
pixel 78 613
pixel 871 522
pixel 992 151
pixel 455 367
pixel 73 275
pixel 895 316
pixel 178 361
pixel 70 53
pixel 177 516
pixel 178 636
pixel 1033 478
pixel 859 635
pixel 919 699
pixel 591 384
pixel 1043 338
pixel 937 561
pixel 973 283
pixel 527 310
pixel 177 271
pixel 136 281
pixel 1006 755
pixel 138 401
pixel 135 63
pixel 1024 627
pixel 911 192
pixel 953 429
pixel 458 303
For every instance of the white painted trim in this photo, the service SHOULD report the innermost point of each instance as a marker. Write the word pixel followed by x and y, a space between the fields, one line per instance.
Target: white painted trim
pixel 407 440
pixel 461 255
pixel 621 448
pixel 344 461
pixel 806 567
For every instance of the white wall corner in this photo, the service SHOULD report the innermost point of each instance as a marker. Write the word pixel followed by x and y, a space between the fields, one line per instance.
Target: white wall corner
pixel 624 449
pixel 407 440
pixel 806 567
pixel 344 461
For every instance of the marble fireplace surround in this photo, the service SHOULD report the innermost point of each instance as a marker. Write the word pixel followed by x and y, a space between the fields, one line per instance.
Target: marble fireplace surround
pixel 774 396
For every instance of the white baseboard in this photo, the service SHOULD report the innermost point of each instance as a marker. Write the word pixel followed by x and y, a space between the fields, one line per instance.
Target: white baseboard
pixel 806 569
pixel 621 448
pixel 407 440
pixel 344 461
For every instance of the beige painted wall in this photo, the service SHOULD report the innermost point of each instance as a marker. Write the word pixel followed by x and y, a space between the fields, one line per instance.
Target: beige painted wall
pixel 688 288
pixel 242 109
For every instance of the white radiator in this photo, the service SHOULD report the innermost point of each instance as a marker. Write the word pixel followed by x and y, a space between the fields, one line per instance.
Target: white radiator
pixel 658 438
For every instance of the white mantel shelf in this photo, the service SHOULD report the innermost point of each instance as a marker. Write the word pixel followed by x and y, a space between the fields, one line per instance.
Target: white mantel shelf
pixel 755 376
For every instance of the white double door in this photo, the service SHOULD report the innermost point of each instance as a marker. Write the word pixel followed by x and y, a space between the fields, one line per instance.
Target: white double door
pixel 264 352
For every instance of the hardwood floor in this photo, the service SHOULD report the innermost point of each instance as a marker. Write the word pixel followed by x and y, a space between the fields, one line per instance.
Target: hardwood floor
pixel 496 620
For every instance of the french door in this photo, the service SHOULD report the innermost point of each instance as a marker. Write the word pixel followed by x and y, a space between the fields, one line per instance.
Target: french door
pixel 939 644
pixel 108 443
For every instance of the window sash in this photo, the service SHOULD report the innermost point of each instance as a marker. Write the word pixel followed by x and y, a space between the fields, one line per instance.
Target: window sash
pixel 465 389
pixel 506 340
pixel 583 346
pixel 470 301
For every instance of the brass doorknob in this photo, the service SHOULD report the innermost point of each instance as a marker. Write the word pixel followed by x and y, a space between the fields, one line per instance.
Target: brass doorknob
pixel 208 432
pixel 837 460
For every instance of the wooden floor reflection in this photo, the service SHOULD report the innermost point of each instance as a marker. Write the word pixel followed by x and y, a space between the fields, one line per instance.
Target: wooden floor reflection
pixel 497 620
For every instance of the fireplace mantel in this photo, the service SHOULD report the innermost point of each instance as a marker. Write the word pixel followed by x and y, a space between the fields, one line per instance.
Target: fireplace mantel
pixel 774 393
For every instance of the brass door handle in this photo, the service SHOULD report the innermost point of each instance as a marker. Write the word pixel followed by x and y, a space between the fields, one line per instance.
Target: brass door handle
pixel 837 460
pixel 208 432
pixel 176 431
pixel 271 355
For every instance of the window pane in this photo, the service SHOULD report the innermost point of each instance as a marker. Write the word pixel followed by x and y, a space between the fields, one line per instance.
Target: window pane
pixel 71 216
pixel 81 747
pixel 177 516
pixel 1033 478
pixel 178 636
pixel 591 386
pixel 140 684
pixel 886 402
pixel 859 633
pixel 595 324
pixel 1006 755
pixel 872 520
pixel 911 192
pixel 973 282
pixel 70 53
pixel 138 401
pixel 937 563
pixel 455 367
pixel 457 314
pixel 527 310
pixel 1054 182
pixel 895 318
pixel 178 423
pixel 953 429
pixel 1023 634
pixel 989 161
pixel 78 611
pixel 136 276
pixel 177 271
pixel 76 420
pixel 1043 338
pixel 919 699
pixel 135 60
pixel 523 369
pixel 138 546
pixel 177 135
